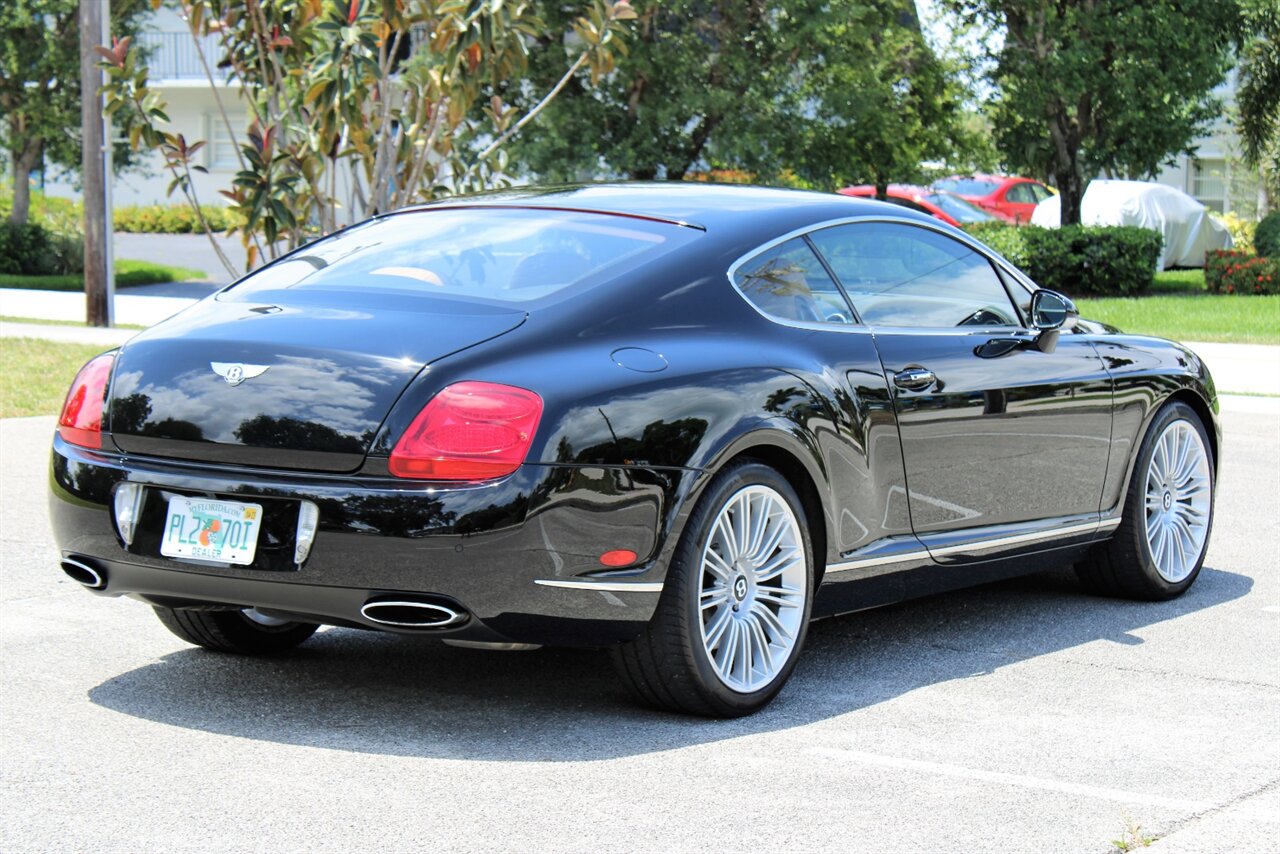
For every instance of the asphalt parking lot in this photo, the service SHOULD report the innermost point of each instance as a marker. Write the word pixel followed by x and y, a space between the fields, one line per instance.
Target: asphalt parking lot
pixel 1023 716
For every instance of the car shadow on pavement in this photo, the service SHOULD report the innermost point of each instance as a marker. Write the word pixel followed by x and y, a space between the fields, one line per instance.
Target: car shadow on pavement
pixel 386 694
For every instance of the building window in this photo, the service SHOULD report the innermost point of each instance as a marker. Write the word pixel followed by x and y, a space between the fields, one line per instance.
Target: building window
pixel 1209 181
pixel 221 150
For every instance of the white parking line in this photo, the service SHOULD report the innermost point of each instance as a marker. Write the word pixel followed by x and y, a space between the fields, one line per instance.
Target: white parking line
pixel 1099 792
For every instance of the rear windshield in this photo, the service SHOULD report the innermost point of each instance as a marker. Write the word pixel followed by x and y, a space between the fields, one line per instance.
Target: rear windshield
pixel 958 208
pixel 966 186
pixel 504 254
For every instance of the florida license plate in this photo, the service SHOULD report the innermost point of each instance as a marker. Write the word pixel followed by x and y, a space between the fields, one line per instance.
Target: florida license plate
pixel 203 529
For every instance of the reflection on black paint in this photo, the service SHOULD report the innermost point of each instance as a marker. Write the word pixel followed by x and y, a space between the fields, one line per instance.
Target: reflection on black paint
pixel 387 515
pixel 172 428
pixel 263 431
pixel 129 413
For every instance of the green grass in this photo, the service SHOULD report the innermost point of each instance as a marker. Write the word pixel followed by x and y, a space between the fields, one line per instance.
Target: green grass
pixel 1179 282
pixel 1180 308
pixel 128 274
pixel 1208 317
pixel 40 321
pixel 37 374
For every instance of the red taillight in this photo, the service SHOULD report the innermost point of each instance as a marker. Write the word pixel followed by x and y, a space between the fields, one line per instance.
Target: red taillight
pixel 469 431
pixel 81 419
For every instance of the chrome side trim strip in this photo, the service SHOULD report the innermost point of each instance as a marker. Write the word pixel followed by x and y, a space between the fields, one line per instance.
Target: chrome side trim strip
pixel 858 563
pixel 861 563
pixel 1107 524
pixel 607 586
pixel 1086 528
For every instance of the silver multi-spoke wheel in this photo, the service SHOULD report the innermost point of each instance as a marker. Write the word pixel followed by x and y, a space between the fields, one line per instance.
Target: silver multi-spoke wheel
pixel 1178 501
pixel 752 588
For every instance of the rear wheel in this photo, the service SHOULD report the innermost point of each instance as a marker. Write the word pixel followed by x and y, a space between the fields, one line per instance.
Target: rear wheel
pixel 735 609
pixel 1159 547
pixel 246 632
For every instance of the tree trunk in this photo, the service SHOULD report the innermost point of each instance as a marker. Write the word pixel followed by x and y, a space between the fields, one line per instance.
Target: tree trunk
pixel 1071 185
pixel 24 162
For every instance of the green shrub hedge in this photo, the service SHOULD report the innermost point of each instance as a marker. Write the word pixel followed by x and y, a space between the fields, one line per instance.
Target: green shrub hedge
pixel 1079 260
pixel 1233 272
pixel 1266 239
pixel 172 219
pixel 31 249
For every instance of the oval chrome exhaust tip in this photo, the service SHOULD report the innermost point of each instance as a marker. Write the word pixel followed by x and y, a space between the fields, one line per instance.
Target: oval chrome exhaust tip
pixel 85 574
pixel 411 614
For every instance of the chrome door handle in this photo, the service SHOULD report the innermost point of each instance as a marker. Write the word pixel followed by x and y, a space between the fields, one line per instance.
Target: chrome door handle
pixel 914 379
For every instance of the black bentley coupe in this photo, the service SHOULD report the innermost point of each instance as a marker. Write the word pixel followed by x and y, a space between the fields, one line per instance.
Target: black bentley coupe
pixel 674 421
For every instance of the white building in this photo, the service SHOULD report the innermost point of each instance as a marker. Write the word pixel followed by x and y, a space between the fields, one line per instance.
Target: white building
pixel 177 73
pixel 1214 175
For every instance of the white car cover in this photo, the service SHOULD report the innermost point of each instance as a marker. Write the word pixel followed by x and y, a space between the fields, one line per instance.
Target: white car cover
pixel 1188 229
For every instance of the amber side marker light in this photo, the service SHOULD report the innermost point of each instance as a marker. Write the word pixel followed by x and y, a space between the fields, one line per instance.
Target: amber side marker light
pixel 468 431
pixel 81 420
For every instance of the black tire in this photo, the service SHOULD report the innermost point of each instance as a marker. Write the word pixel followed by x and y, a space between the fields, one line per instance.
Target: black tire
pixel 1123 566
pixel 667 666
pixel 233 631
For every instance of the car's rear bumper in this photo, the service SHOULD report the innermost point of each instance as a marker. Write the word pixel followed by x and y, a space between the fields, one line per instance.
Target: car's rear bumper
pixel 519 557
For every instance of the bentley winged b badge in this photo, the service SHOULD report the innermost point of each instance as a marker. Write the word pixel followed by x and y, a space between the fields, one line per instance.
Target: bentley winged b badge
pixel 235 373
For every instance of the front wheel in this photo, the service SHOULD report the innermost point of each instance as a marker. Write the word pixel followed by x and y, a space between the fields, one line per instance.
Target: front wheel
pixel 735 609
pixel 1159 547
pixel 246 632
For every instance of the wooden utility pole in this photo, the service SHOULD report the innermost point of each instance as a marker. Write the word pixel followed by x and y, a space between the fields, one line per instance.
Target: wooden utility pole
pixel 95 16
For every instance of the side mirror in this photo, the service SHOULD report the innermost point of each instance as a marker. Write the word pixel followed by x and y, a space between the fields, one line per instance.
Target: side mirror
pixel 1051 313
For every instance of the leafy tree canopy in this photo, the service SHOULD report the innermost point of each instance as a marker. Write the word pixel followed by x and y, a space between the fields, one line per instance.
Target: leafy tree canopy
pixel 40 84
pixel 823 92
pixel 1258 98
pixel 1086 86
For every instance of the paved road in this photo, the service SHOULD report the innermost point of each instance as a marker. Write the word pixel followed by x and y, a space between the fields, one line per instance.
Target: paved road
pixel 1022 716
pixel 183 250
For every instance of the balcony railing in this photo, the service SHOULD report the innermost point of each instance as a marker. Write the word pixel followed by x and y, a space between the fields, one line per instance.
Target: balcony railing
pixel 173 56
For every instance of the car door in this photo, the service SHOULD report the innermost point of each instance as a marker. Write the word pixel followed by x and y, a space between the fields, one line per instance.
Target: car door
pixel 1003 443
pixel 869 536
pixel 1020 202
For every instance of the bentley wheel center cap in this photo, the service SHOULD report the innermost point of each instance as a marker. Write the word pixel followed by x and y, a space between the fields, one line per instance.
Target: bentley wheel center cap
pixel 1168 499
pixel 740 588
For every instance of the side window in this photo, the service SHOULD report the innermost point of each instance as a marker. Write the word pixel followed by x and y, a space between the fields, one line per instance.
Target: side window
pixel 1021 194
pixel 788 282
pixel 902 275
pixel 1039 192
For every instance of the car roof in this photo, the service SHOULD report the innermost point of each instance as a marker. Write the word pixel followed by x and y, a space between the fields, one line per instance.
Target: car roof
pixel 701 205
pixel 907 190
pixel 998 179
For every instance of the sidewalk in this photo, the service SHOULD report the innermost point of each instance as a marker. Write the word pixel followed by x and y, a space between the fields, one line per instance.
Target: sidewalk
pixel 134 307
pixel 1241 369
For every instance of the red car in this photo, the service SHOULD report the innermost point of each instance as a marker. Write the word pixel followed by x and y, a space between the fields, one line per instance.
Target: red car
pixel 1011 199
pixel 947 207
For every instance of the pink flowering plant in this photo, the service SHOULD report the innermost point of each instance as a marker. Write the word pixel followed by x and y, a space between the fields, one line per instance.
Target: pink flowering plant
pixel 1228 271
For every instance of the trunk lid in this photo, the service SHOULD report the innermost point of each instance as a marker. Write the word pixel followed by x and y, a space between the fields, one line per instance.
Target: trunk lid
pixel 286 378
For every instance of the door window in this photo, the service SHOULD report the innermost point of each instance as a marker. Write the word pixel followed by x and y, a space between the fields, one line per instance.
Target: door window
pixel 788 282
pixel 1021 194
pixel 902 275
